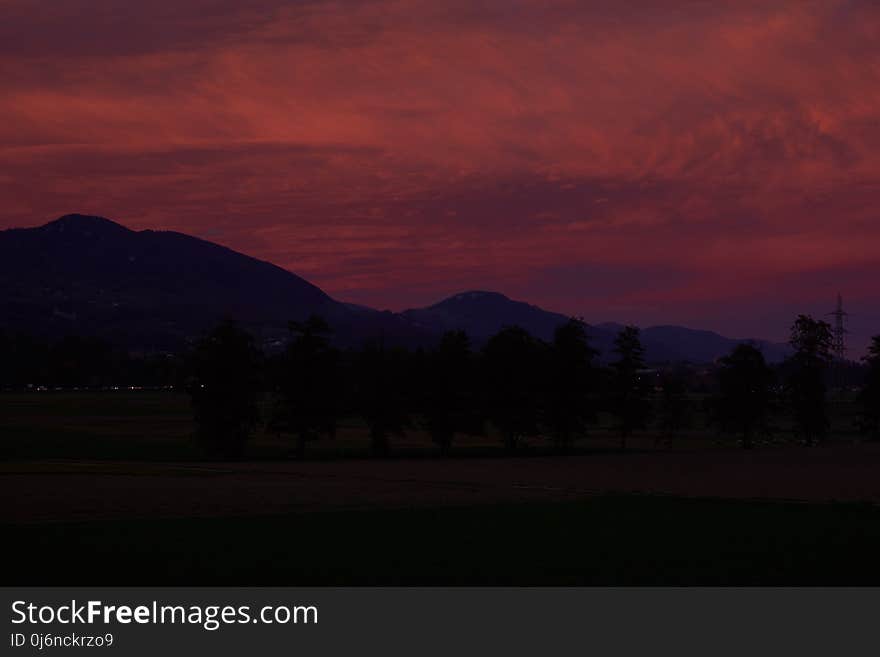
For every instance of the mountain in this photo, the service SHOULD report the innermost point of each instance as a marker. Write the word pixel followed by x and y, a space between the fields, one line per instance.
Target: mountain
pixel 677 343
pixel 89 275
pixel 482 314
pixel 157 289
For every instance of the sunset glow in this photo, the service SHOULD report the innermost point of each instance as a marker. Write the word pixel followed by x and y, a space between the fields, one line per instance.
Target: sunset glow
pixel 701 163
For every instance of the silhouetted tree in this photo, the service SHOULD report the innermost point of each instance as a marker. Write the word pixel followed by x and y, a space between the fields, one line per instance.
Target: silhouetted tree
pixel 629 401
pixel 83 362
pixel 811 340
pixel 383 393
pixel 869 395
pixel 745 389
pixel 25 361
pixel 569 407
pixel 308 386
pixel 673 407
pixel 5 376
pixel 449 391
pixel 513 361
pixel 225 389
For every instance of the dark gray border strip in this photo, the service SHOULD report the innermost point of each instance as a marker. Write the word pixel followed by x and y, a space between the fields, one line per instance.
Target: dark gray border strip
pixel 473 621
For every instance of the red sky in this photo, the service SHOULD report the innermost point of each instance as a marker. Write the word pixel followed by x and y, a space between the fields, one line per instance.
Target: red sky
pixel 706 163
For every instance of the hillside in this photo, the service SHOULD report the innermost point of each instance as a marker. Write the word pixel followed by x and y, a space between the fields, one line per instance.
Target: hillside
pixel 88 275
pixel 482 314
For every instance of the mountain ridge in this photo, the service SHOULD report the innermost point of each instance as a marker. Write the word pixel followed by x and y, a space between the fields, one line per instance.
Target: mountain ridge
pixel 91 275
pixel 665 342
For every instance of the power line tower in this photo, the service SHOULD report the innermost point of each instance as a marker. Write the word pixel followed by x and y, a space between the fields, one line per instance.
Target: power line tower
pixel 838 343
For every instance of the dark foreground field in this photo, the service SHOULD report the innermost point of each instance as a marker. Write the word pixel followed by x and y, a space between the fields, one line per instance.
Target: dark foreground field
pixel 518 521
pixel 103 490
pixel 604 540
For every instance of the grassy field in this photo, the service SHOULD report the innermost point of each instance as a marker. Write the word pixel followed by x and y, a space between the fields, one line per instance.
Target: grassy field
pixel 157 426
pixel 623 540
pixel 109 488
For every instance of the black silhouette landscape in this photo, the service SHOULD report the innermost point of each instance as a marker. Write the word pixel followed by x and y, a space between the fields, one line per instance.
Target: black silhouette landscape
pixel 161 394
pixel 441 293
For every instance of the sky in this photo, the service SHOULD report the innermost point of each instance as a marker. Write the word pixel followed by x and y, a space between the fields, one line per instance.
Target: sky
pixel 713 164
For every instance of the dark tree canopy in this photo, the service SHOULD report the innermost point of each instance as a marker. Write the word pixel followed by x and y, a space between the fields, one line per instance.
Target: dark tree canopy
pixel 745 389
pixel 811 340
pixel 383 393
pixel 517 384
pixel 628 394
pixel 309 390
pixel 869 396
pixel 571 378
pixel 673 408
pixel 225 389
pixel 449 391
pixel 80 362
pixel 513 362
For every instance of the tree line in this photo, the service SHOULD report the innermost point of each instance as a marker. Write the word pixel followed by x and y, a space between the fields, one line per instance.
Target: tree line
pixel 30 361
pixel 522 386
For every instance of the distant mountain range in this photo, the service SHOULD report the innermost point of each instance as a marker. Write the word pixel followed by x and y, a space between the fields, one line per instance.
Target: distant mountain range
pixel 482 314
pixel 156 289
